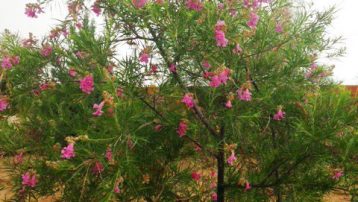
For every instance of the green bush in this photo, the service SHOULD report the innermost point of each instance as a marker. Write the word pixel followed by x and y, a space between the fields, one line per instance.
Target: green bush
pixel 263 122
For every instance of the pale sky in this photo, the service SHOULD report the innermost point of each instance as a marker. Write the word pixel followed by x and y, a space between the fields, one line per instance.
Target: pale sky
pixel 12 17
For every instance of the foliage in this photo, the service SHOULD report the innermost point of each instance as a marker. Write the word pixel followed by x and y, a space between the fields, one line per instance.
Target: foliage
pixel 164 129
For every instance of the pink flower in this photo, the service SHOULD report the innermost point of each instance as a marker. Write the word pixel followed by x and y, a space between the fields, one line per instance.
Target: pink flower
pixel 197 148
pixel 279 115
pixel 205 64
pixel 337 175
pixel 232 158
pixel 221 41
pixel 188 100
pixel 87 84
pixel 213 185
pixel 195 5
pixel 44 86
pixel 98 109
pixel 173 68
pixel 214 196
pixel 228 104
pixel 27 43
pixel 80 54
pixel 195 176
pixel 15 60
pixel 98 168
pixel 220 25
pixel 158 128
pixel 110 68
pixel 78 25
pixel 215 81
pixel 46 51
pixel 96 9
pixel 222 78
pixel 72 72
pixel 224 75
pixel 244 94
pixel 247 186
pixel 68 152
pixel 139 3
pixel 18 159
pixel 6 62
pixel 32 9
pixel 120 92
pixel 4 104
pixel 29 180
pixel 207 74
pixel 154 69
pixel 252 3
pixel 109 155
pixel 36 92
pixel 221 6
pixel 182 128
pixel 254 19
pixel 116 190
pixel 237 50
pixel 311 70
pixel 65 32
pixel 278 28
pixel 213 174
pixel 144 58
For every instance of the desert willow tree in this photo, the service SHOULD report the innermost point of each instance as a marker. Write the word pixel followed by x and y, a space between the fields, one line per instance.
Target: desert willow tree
pixel 220 100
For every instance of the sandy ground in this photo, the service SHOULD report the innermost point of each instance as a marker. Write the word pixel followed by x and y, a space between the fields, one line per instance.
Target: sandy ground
pixel 5 190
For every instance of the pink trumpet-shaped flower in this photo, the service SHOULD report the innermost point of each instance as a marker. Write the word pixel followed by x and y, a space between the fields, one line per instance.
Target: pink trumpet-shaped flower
pixel 97 168
pixel 195 176
pixel 46 51
pixel 68 152
pixel 244 94
pixel 4 104
pixel 182 128
pixel 215 81
pixel 96 9
pixel 144 58
pixel 32 9
pixel 247 186
pixel 6 62
pixel 254 19
pixel 279 115
pixel 278 28
pixel 228 104
pixel 173 68
pixel 195 5
pixel 87 84
pixel 237 50
pixel 337 175
pixel 29 180
pixel 232 158
pixel 109 155
pixel 221 41
pixel 139 3
pixel 98 109
pixel 214 196
pixel 19 158
pixel 205 64
pixel 72 72
pixel 188 100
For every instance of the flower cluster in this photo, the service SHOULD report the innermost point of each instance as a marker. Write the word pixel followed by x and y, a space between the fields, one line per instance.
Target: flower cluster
pixel 87 84
pixel 221 41
pixel 32 9
pixel 9 61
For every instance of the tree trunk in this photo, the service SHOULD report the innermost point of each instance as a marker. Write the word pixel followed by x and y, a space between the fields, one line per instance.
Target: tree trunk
pixel 221 167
